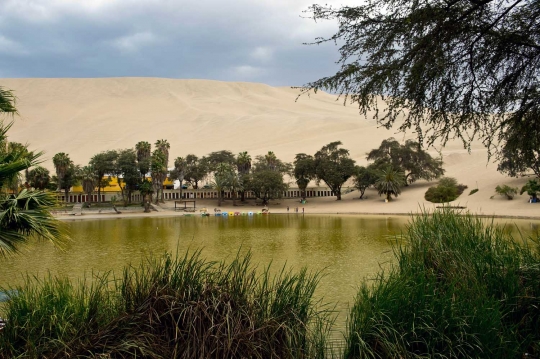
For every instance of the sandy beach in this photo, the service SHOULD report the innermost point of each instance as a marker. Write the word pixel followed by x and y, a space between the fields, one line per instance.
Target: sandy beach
pixel 83 117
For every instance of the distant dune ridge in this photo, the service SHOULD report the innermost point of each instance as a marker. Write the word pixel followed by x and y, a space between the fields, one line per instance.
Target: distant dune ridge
pixel 85 116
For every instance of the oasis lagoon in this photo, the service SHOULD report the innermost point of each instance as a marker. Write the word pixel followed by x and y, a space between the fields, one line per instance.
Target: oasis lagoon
pixel 347 249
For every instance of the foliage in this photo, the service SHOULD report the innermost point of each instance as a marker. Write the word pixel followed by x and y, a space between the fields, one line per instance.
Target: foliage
pixel 66 173
pixel 213 159
pixel 266 178
pixel 447 190
pixel 521 149
pixel 364 178
pixel 333 166
pixel 408 158
pixel 179 171
pixel 446 69
pixel 506 191
pixel 196 170
pixel 532 187
pixel 38 178
pixel 127 173
pixel 304 171
pixel 25 214
pixel 146 189
pixel 473 191
pixel 103 163
pixel 170 308
pixel 243 166
pixel 158 170
pixel 144 152
pixel 87 176
pixel 223 177
pixel 389 182
pixel 461 289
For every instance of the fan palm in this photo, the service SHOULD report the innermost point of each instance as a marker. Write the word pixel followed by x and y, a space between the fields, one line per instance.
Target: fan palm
pixel 243 165
pixel 61 162
pixel 390 182
pixel 87 176
pixel 27 213
pixel 144 151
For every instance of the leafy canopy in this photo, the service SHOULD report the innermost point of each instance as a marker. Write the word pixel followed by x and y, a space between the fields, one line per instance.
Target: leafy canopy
pixel 461 68
pixel 333 166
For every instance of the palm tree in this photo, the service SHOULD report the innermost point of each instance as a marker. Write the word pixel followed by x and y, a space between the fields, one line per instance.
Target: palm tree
pixel 38 178
pixel 27 213
pixel 163 146
pixel 222 179
pixel 61 162
pixel 87 175
pixel 271 160
pixel 158 172
pixel 243 165
pixel 144 152
pixel 7 101
pixel 390 182
pixel 179 172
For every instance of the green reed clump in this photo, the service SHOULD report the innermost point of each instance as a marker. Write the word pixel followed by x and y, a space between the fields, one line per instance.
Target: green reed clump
pixel 461 289
pixel 170 308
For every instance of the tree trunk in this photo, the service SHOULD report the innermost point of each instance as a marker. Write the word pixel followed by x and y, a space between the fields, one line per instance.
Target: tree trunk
pixel 219 199
pixel 243 196
pixel 99 194
pixel 66 194
pixel 234 198
pixel 389 196
pixel 146 204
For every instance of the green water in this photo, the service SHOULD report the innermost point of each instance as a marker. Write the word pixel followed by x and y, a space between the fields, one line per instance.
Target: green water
pixel 348 249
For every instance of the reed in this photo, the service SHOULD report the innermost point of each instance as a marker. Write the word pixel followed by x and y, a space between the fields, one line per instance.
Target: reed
pixel 170 307
pixel 460 289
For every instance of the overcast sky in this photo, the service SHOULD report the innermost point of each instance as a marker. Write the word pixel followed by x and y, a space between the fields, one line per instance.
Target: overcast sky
pixel 232 40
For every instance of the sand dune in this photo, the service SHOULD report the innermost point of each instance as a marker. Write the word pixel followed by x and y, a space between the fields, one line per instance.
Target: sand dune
pixel 85 116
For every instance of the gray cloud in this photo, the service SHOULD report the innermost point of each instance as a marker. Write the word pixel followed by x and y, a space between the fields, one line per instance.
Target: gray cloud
pixel 237 40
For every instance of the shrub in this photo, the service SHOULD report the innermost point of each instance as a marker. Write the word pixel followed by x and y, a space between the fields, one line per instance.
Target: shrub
pixel 506 191
pixel 447 190
pixel 165 308
pixel 473 191
pixel 461 289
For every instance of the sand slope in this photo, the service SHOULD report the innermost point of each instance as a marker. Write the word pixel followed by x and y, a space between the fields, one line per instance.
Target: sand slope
pixel 85 116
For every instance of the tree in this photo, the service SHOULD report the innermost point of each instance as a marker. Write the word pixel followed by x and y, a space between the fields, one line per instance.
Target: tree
pixel 304 171
pixel 409 158
pixel 390 182
pixel 158 170
pixel 87 176
pixel 146 188
pixel 103 163
pixel 465 69
pixel 25 214
pixel 61 162
pixel 38 178
pixel 243 166
pixel 179 171
pixel 532 187
pixel 222 179
pixel 66 173
pixel 266 178
pixel 144 152
pixel 163 146
pixel 447 190
pixel 127 173
pixel 521 150
pixel 333 166
pixel 196 170
pixel 364 178
pixel 214 159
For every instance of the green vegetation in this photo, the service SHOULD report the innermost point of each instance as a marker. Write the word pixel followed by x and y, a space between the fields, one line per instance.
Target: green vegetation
pixel 165 308
pixel 408 158
pixel 24 213
pixel 390 182
pixel 447 190
pixel 461 289
pixel 532 187
pixel 473 191
pixel 266 178
pixel 443 69
pixel 304 171
pixel 364 178
pixel 506 191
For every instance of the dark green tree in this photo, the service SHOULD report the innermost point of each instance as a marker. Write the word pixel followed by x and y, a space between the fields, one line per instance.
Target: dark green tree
pixel 243 166
pixel 144 152
pixel 214 159
pixel 304 171
pixel 461 68
pixel 196 170
pixel 266 178
pixel 390 182
pixel 38 178
pixel 158 170
pixel 103 164
pixel 333 166
pixel 363 178
pixel 532 187
pixel 87 176
pixel 179 172
pixel 408 158
pixel 127 173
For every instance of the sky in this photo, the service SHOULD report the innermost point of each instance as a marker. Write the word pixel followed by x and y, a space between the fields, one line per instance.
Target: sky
pixel 230 40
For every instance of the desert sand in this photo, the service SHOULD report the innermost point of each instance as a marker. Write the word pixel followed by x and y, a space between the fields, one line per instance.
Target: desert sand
pixel 85 116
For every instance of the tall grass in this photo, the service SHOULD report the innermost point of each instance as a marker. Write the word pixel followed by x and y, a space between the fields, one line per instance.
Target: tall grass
pixel 170 308
pixel 460 289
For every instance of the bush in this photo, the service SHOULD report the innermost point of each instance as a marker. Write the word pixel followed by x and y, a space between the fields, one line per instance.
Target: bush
pixel 185 308
pixel 447 190
pixel 473 191
pixel 461 289
pixel 506 191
